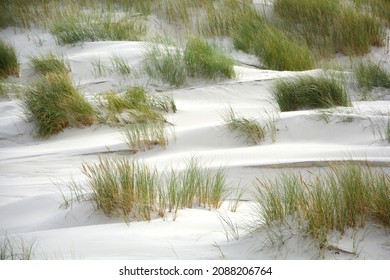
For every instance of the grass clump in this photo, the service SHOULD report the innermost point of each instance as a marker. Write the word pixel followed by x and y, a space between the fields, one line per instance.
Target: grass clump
pixel 247 128
pixel 130 188
pixel 143 116
pixel 122 187
pixel 370 75
pixel 346 196
pixel 172 66
pixel 50 64
pixel 309 92
pixel 330 26
pixel 54 104
pixel 165 64
pixel 137 106
pixel 203 60
pixel 276 49
pixel 8 60
pixel 201 185
pixel 145 135
pixel 82 28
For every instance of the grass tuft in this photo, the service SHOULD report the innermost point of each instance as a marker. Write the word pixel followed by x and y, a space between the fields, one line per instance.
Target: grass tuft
pixel 247 128
pixel 165 64
pixel 8 60
pixel 330 26
pixel 204 60
pixel 370 75
pixel 136 106
pixel 344 197
pixel 309 92
pixel 199 60
pixel 276 49
pixel 50 64
pixel 145 135
pixel 54 104
pixel 120 187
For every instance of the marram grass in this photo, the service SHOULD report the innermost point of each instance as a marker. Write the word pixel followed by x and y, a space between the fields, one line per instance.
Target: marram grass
pixel 75 29
pixel 329 26
pixel 245 128
pixel 275 48
pixel 49 63
pixel 8 60
pixel 120 187
pixel 204 60
pixel 137 106
pixel 165 64
pixel 346 196
pixel 370 75
pixel 53 104
pixel 199 59
pixel 309 92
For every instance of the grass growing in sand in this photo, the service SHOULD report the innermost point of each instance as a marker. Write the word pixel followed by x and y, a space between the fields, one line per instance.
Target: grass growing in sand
pixel 248 128
pixel 141 115
pixel 12 248
pixel 137 106
pixel 200 59
pixel 309 92
pixel 370 75
pixel 132 189
pixel 165 64
pixel 120 65
pixel 276 49
pixel 348 195
pixel 8 60
pixel 145 135
pixel 329 26
pixel 53 104
pixel 50 63
pixel 204 60
pixel 75 29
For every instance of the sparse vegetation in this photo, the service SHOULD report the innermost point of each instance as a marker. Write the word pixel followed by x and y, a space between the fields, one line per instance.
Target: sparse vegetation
pixel 347 195
pixel 13 248
pixel 81 28
pixel 370 75
pixel 8 60
pixel 53 104
pixel 120 65
pixel 248 128
pixel 309 92
pixel 145 135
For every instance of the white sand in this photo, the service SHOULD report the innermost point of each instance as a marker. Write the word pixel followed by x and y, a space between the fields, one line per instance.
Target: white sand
pixel 32 170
